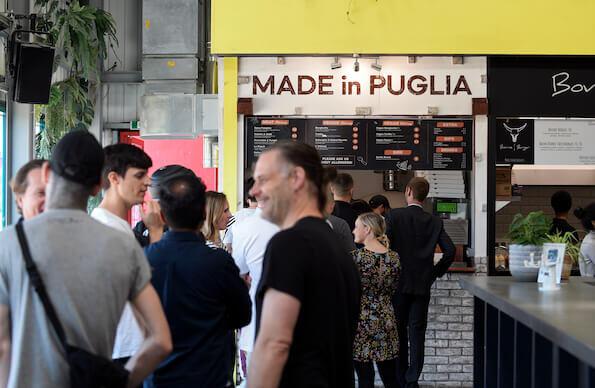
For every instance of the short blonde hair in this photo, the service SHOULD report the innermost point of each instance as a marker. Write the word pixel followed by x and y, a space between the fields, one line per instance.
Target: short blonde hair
pixel 377 225
pixel 214 209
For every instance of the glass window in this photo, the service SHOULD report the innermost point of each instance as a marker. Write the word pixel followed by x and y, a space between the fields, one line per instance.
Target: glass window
pixel 3 156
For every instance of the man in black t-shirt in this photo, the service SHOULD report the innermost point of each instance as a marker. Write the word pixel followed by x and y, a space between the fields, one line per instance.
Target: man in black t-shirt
pixel 307 303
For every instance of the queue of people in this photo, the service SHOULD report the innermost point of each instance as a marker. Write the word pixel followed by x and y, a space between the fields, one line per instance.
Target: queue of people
pixel 307 288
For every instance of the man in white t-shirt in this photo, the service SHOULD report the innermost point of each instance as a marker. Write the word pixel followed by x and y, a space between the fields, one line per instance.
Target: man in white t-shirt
pixel 125 181
pixel 251 236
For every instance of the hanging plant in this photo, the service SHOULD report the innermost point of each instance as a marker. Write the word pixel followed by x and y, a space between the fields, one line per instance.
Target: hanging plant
pixel 82 36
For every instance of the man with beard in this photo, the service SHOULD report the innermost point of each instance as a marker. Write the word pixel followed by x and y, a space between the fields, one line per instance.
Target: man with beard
pixel 307 303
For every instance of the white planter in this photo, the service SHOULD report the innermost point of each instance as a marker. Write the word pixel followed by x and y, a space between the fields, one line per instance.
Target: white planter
pixel 524 261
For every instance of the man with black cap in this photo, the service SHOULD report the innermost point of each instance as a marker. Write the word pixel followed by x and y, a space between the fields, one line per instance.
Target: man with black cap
pixel 89 270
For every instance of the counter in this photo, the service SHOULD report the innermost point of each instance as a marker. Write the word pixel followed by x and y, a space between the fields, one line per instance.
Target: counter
pixel 524 337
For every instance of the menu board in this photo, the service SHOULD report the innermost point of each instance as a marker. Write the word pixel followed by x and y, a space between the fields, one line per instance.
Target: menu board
pixel 370 144
pixel 341 143
pixel 261 133
pixel 567 142
pixel 399 144
pixel 451 144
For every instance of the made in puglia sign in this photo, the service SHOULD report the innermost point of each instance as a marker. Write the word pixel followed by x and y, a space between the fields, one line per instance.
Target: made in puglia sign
pixel 328 85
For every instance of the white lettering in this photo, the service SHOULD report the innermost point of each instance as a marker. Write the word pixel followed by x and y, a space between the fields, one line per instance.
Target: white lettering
pixel 560 86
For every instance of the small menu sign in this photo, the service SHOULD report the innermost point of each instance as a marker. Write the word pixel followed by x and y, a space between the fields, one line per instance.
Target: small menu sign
pixel 515 141
pixel 451 144
pixel 341 143
pixel 261 133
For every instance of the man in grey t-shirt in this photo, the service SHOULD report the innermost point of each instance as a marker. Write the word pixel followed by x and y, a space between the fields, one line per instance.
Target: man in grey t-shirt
pixel 89 271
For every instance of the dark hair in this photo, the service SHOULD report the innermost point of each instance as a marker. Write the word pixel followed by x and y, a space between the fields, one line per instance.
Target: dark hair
pixel 342 183
pixel 247 186
pixel 419 188
pixel 20 182
pixel 165 173
pixel 378 200
pixel 182 200
pixel 586 215
pixel 359 206
pixel 120 157
pixel 561 201
pixel 305 156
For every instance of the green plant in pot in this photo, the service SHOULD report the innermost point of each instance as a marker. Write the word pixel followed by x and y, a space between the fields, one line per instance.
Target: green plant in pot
pixel 572 252
pixel 527 235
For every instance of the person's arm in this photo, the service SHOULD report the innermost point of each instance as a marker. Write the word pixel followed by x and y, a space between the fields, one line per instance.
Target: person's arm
pixel 5 345
pixel 448 253
pixel 237 297
pixel 279 316
pixel 157 343
pixel 389 229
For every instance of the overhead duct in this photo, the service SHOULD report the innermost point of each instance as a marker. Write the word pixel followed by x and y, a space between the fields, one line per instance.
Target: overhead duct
pixel 173 71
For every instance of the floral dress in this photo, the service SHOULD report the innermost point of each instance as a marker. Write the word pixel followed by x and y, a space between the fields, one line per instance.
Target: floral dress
pixel 376 338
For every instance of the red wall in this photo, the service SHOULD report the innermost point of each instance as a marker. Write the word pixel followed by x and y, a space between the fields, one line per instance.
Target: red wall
pixel 185 152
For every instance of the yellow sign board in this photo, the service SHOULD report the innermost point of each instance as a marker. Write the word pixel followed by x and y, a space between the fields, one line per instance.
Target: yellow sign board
pixel 466 27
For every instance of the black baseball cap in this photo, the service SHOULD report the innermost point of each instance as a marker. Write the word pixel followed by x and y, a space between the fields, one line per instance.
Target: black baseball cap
pixel 78 157
pixel 165 173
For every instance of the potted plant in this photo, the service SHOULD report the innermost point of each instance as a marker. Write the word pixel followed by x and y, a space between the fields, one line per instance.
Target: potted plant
pixel 572 251
pixel 527 235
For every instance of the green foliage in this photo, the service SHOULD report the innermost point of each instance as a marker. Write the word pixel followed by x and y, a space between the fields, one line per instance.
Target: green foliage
pixel 529 230
pixel 82 36
pixel 573 248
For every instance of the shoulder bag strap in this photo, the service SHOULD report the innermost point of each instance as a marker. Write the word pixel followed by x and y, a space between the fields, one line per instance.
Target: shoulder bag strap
pixel 37 282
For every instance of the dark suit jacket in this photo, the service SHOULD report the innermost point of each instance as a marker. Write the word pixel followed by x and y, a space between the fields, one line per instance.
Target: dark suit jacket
pixel 413 233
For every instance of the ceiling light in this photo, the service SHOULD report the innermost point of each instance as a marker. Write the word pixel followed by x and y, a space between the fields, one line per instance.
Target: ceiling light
pixel 356 63
pixel 336 64
pixel 376 66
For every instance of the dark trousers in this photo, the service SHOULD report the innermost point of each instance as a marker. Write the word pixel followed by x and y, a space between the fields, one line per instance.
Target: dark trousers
pixel 365 373
pixel 412 320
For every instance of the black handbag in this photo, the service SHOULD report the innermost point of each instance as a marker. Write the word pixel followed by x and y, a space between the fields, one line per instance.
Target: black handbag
pixel 87 370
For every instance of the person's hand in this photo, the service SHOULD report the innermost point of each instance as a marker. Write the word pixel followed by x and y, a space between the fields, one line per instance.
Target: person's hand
pixel 247 279
pixel 151 216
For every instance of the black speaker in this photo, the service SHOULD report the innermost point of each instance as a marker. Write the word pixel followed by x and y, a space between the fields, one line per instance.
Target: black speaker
pixel 33 68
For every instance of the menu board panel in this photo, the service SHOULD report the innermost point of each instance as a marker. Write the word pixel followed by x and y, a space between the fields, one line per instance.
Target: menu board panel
pixel 370 144
pixel 262 132
pixel 452 144
pixel 567 142
pixel 341 143
pixel 399 144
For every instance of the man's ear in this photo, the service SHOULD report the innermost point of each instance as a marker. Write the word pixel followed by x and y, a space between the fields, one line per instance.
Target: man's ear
pixel 46 171
pixel 298 178
pixel 113 178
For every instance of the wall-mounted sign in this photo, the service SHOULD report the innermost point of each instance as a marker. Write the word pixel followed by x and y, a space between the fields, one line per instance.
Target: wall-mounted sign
pixel 515 141
pixel 311 86
pixel 393 143
pixel 542 86
pixel 531 141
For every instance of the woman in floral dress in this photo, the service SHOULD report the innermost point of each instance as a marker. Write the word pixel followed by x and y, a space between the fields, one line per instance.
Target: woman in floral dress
pixel 376 339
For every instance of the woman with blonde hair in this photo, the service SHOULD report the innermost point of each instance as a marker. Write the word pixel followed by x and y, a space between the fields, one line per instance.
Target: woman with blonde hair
pixel 217 216
pixel 376 339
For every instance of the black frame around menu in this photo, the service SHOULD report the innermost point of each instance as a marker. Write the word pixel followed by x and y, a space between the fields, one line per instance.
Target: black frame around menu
pixel 383 143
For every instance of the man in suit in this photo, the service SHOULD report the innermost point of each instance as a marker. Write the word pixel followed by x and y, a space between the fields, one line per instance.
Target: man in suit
pixel 413 233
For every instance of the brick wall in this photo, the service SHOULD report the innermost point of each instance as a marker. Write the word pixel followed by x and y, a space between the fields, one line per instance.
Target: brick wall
pixel 538 198
pixel 449 337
